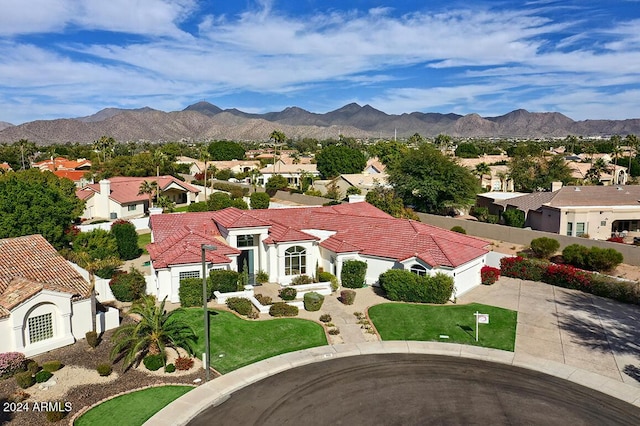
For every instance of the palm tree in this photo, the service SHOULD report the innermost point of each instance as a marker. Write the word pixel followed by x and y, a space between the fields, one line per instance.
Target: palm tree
pixel 503 176
pixel 205 157
pixel 632 142
pixel 156 330
pixel 481 170
pixel 595 172
pixel 148 187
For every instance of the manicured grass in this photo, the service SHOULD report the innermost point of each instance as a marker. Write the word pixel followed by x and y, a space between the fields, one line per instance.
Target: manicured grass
pixel 133 408
pixel 236 342
pixel 181 209
pixel 404 321
pixel 143 240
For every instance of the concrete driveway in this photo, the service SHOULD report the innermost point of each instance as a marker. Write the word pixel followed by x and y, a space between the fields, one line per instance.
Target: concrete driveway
pixel 570 327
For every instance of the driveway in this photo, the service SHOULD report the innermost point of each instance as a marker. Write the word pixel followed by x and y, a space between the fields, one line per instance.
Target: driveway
pixel 568 326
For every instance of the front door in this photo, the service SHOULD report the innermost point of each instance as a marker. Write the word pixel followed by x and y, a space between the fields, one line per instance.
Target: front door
pixel 246 258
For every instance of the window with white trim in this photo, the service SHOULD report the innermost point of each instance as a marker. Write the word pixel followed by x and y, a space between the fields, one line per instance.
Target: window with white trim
pixel 418 269
pixel 189 274
pixel 295 261
pixel 132 207
pixel 581 229
pixel 40 328
pixel 245 241
pixel 570 229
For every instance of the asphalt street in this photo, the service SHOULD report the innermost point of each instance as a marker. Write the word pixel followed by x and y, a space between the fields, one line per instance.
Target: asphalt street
pixel 414 389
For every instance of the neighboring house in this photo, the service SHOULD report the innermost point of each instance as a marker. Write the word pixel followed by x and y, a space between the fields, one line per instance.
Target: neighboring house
pixel 292 172
pixel 596 211
pixel 289 242
pixel 498 179
pixel 236 166
pixel 118 197
pixel 365 182
pixel 44 302
pixel 5 167
pixel 61 163
pixel 77 176
pixel 374 166
pixel 613 175
pixel 496 201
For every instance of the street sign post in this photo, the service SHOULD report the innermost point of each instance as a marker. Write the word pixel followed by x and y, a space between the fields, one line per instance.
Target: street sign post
pixel 480 319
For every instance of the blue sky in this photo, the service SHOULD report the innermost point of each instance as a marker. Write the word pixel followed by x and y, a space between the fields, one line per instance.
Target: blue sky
pixel 70 58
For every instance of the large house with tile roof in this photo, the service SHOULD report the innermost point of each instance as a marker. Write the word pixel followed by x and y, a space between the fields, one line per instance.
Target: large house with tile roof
pixel 119 197
pixel 289 242
pixel 45 302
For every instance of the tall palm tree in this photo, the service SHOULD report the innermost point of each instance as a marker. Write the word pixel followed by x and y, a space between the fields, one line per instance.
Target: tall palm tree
pixel 205 157
pixel 632 142
pixel 481 170
pixel 148 187
pixel 616 153
pixel 156 331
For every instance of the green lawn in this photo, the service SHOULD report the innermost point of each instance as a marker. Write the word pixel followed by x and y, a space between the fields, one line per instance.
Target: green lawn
pixel 403 321
pixel 181 209
pixel 133 408
pixel 236 342
pixel 143 240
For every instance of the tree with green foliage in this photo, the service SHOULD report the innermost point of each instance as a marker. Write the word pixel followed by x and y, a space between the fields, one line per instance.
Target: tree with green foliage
pixel 104 146
pixel 532 173
pixel 442 141
pixel 467 150
pixel 335 160
pixel 388 152
pixel 481 170
pixel 149 187
pixel 226 151
pixel 222 200
pixel 98 243
pixel 155 331
pixel 259 200
pixel 432 182
pixel 544 247
pixel 126 239
pixel 278 136
pixel 35 202
pixel 385 199
pixel 514 218
pixel 275 183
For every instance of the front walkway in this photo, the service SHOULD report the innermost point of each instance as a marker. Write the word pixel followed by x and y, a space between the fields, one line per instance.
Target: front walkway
pixel 568 326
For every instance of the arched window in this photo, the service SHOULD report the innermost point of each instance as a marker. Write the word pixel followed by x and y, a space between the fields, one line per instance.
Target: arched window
pixel 295 261
pixel 418 269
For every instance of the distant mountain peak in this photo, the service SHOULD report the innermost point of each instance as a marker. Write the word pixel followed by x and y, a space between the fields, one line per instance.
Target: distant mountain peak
pixel 204 107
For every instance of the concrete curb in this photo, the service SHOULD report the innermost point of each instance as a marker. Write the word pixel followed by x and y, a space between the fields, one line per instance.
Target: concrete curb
pixel 185 408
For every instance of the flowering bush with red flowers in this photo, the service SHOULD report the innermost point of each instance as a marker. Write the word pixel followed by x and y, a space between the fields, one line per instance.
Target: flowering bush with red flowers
pixel 568 277
pixel 616 240
pixel 489 275
pixel 525 269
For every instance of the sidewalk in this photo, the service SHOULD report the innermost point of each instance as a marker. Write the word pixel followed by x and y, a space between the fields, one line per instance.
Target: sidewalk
pixel 570 327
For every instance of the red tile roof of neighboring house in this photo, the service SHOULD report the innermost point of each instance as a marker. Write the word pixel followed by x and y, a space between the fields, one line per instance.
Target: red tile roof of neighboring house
pixel 125 189
pixel 358 227
pixel 61 163
pixel 29 264
pixel 74 175
pixel 5 166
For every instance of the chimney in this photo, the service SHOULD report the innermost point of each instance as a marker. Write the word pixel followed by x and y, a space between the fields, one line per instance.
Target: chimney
pixel 356 198
pixel 555 186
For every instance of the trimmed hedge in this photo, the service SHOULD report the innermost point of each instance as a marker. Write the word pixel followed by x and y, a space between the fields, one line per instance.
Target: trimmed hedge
pixel 92 338
pixel 525 269
pixel 288 293
pixel 570 277
pixel 353 274
pixel 153 362
pixel 404 285
pixel 51 366
pixel 190 292
pixel 348 297
pixel 241 305
pixel 224 281
pixel 313 301
pixel 594 258
pixel 42 376
pixel 259 200
pixel 544 247
pixel 25 379
pixel 104 369
pixel 126 239
pixel 324 277
pixel 302 279
pixel 281 309
pixel 489 275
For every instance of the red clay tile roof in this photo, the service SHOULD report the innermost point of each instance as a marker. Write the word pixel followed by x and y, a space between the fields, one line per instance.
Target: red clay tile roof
pixel 236 218
pixel 125 189
pixel 30 261
pixel 74 175
pixel 61 163
pixel 358 227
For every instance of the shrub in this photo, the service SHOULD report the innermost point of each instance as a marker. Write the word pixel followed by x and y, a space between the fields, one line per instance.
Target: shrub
pixel 170 368
pixel 262 277
pixel 32 367
pixel 153 362
pixel 313 301
pixel 224 281
pixel 51 366
pixel 568 277
pixel 92 338
pixel 190 291
pixel 459 229
pixel 324 277
pixel 104 369
pixel 302 279
pixel 594 258
pixel 18 396
pixel 42 376
pixel 403 285
pixel 241 305
pixel 126 239
pixel 281 309
pixel 514 218
pixel 230 187
pixel 288 293
pixel 616 240
pixel 55 416
pixel 275 183
pixel 325 318
pixel 525 269
pixel 128 286
pixel 348 297
pixel 544 247
pixel 25 379
pixel 353 274
pixel 184 363
pixel 334 331
pixel 623 291
pixel 259 200
pixel 198 207
pixel 11 363
pixel 489 275
pixel 264 300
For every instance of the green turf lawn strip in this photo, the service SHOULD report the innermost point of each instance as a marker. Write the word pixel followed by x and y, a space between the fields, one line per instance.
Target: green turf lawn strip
pixel 133 408
pixel 236 342
pixel 143 240
pixel 404 321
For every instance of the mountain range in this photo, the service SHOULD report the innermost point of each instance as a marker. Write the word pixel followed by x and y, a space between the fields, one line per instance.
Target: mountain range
pixel 205 121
